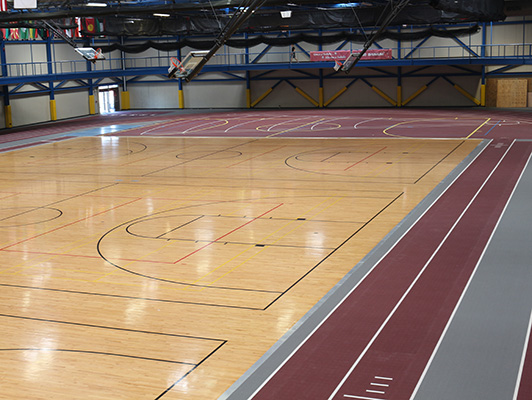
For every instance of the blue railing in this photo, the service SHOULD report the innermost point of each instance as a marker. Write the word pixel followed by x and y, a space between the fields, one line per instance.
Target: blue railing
pixel 231 59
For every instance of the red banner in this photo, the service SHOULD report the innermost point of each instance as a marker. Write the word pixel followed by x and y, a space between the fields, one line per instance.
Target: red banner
pixel 341 55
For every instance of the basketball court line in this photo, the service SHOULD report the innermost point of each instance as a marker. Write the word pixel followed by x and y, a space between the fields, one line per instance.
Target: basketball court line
pixel 269 364
pixel 69 224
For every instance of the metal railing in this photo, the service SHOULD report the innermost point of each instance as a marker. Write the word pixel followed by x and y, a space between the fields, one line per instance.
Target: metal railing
pixel 494 51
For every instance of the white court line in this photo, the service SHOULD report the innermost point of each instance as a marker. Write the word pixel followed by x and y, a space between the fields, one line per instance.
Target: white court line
pixel 247 122
pixel 433 355
pixel 328 121
pixel 523 357
pixel 405 294
pixel 207 123
pixel 289 121
pixel 157 126
pixel 367 120
pixel 350 396
pixel 363 278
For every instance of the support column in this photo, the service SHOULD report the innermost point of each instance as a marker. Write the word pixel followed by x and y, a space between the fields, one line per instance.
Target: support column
pixel 124 95
pixel 483 87
pixel 53 107
pixel 483 79
pixel 320 95
pixel 248 89
pixel 399 88
pixel 180 95
pixel 7 107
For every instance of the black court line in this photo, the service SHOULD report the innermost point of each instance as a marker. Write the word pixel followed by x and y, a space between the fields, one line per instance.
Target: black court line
pixel 118 296
pixel 100 353
pixel 140 219
pixel 199 158
pixel 194 366
pixel 268 363
pixel 189 372
pixel 113 328
pixel 334 251
pixel 60 213
pixel 348 179
pixel 60 201
pixel 439 162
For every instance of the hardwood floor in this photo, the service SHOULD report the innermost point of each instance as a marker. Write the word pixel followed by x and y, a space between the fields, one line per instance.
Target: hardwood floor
pixel 144 268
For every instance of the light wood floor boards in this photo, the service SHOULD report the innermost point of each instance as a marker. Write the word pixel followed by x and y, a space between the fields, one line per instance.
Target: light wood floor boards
pixel 138 268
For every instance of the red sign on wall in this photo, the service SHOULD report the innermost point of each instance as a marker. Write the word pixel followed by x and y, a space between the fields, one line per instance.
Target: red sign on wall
pixel 341 55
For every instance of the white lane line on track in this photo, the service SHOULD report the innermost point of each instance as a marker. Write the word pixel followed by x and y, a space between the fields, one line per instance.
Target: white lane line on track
pixel 405 294
pixel 433 355
pixel 302 342
pixel 523 357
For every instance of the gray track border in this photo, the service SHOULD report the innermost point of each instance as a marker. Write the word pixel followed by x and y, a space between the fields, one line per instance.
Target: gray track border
pixel 254 378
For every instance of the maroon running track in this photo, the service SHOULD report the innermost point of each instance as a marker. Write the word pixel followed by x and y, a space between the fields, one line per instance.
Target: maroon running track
pixel 379 340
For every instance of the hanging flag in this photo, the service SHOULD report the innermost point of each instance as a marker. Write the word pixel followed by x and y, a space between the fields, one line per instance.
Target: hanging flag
pixel 14 34
pixel 90 25
pixel 23 33
pixel 77 32
pixel 43 33
pixel 3 5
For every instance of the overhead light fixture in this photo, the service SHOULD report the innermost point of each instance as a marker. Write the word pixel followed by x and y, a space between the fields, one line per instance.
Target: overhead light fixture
pixel 96 4
pixel 160 15
pixel 29 4
pixel 286 14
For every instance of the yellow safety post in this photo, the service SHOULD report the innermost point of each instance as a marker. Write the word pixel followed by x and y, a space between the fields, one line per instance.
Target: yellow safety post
pixel 181 98
pixel 124 97
pixel 53 111
pixel 8 116
pixel 248 98
pixel 399 96
pixel 92 105
pixel 483 95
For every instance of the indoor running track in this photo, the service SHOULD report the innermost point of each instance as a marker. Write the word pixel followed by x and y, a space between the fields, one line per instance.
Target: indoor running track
pixel 380 341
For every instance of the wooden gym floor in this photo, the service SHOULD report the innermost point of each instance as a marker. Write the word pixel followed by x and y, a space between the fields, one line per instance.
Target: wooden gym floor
pixel 148 255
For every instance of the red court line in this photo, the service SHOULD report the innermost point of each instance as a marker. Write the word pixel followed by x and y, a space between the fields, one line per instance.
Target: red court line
pixel 364 159
pixel 228 233
pixel 379 330
pixel 69 224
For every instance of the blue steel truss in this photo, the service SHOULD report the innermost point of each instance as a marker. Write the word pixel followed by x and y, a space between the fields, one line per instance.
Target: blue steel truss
pixel 53 76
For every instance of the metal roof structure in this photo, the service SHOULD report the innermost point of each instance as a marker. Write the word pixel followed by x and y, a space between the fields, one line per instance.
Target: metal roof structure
pixel 51 9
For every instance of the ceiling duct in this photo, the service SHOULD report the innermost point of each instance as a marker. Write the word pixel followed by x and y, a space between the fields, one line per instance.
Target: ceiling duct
pixel 517 8
pixel 483 10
